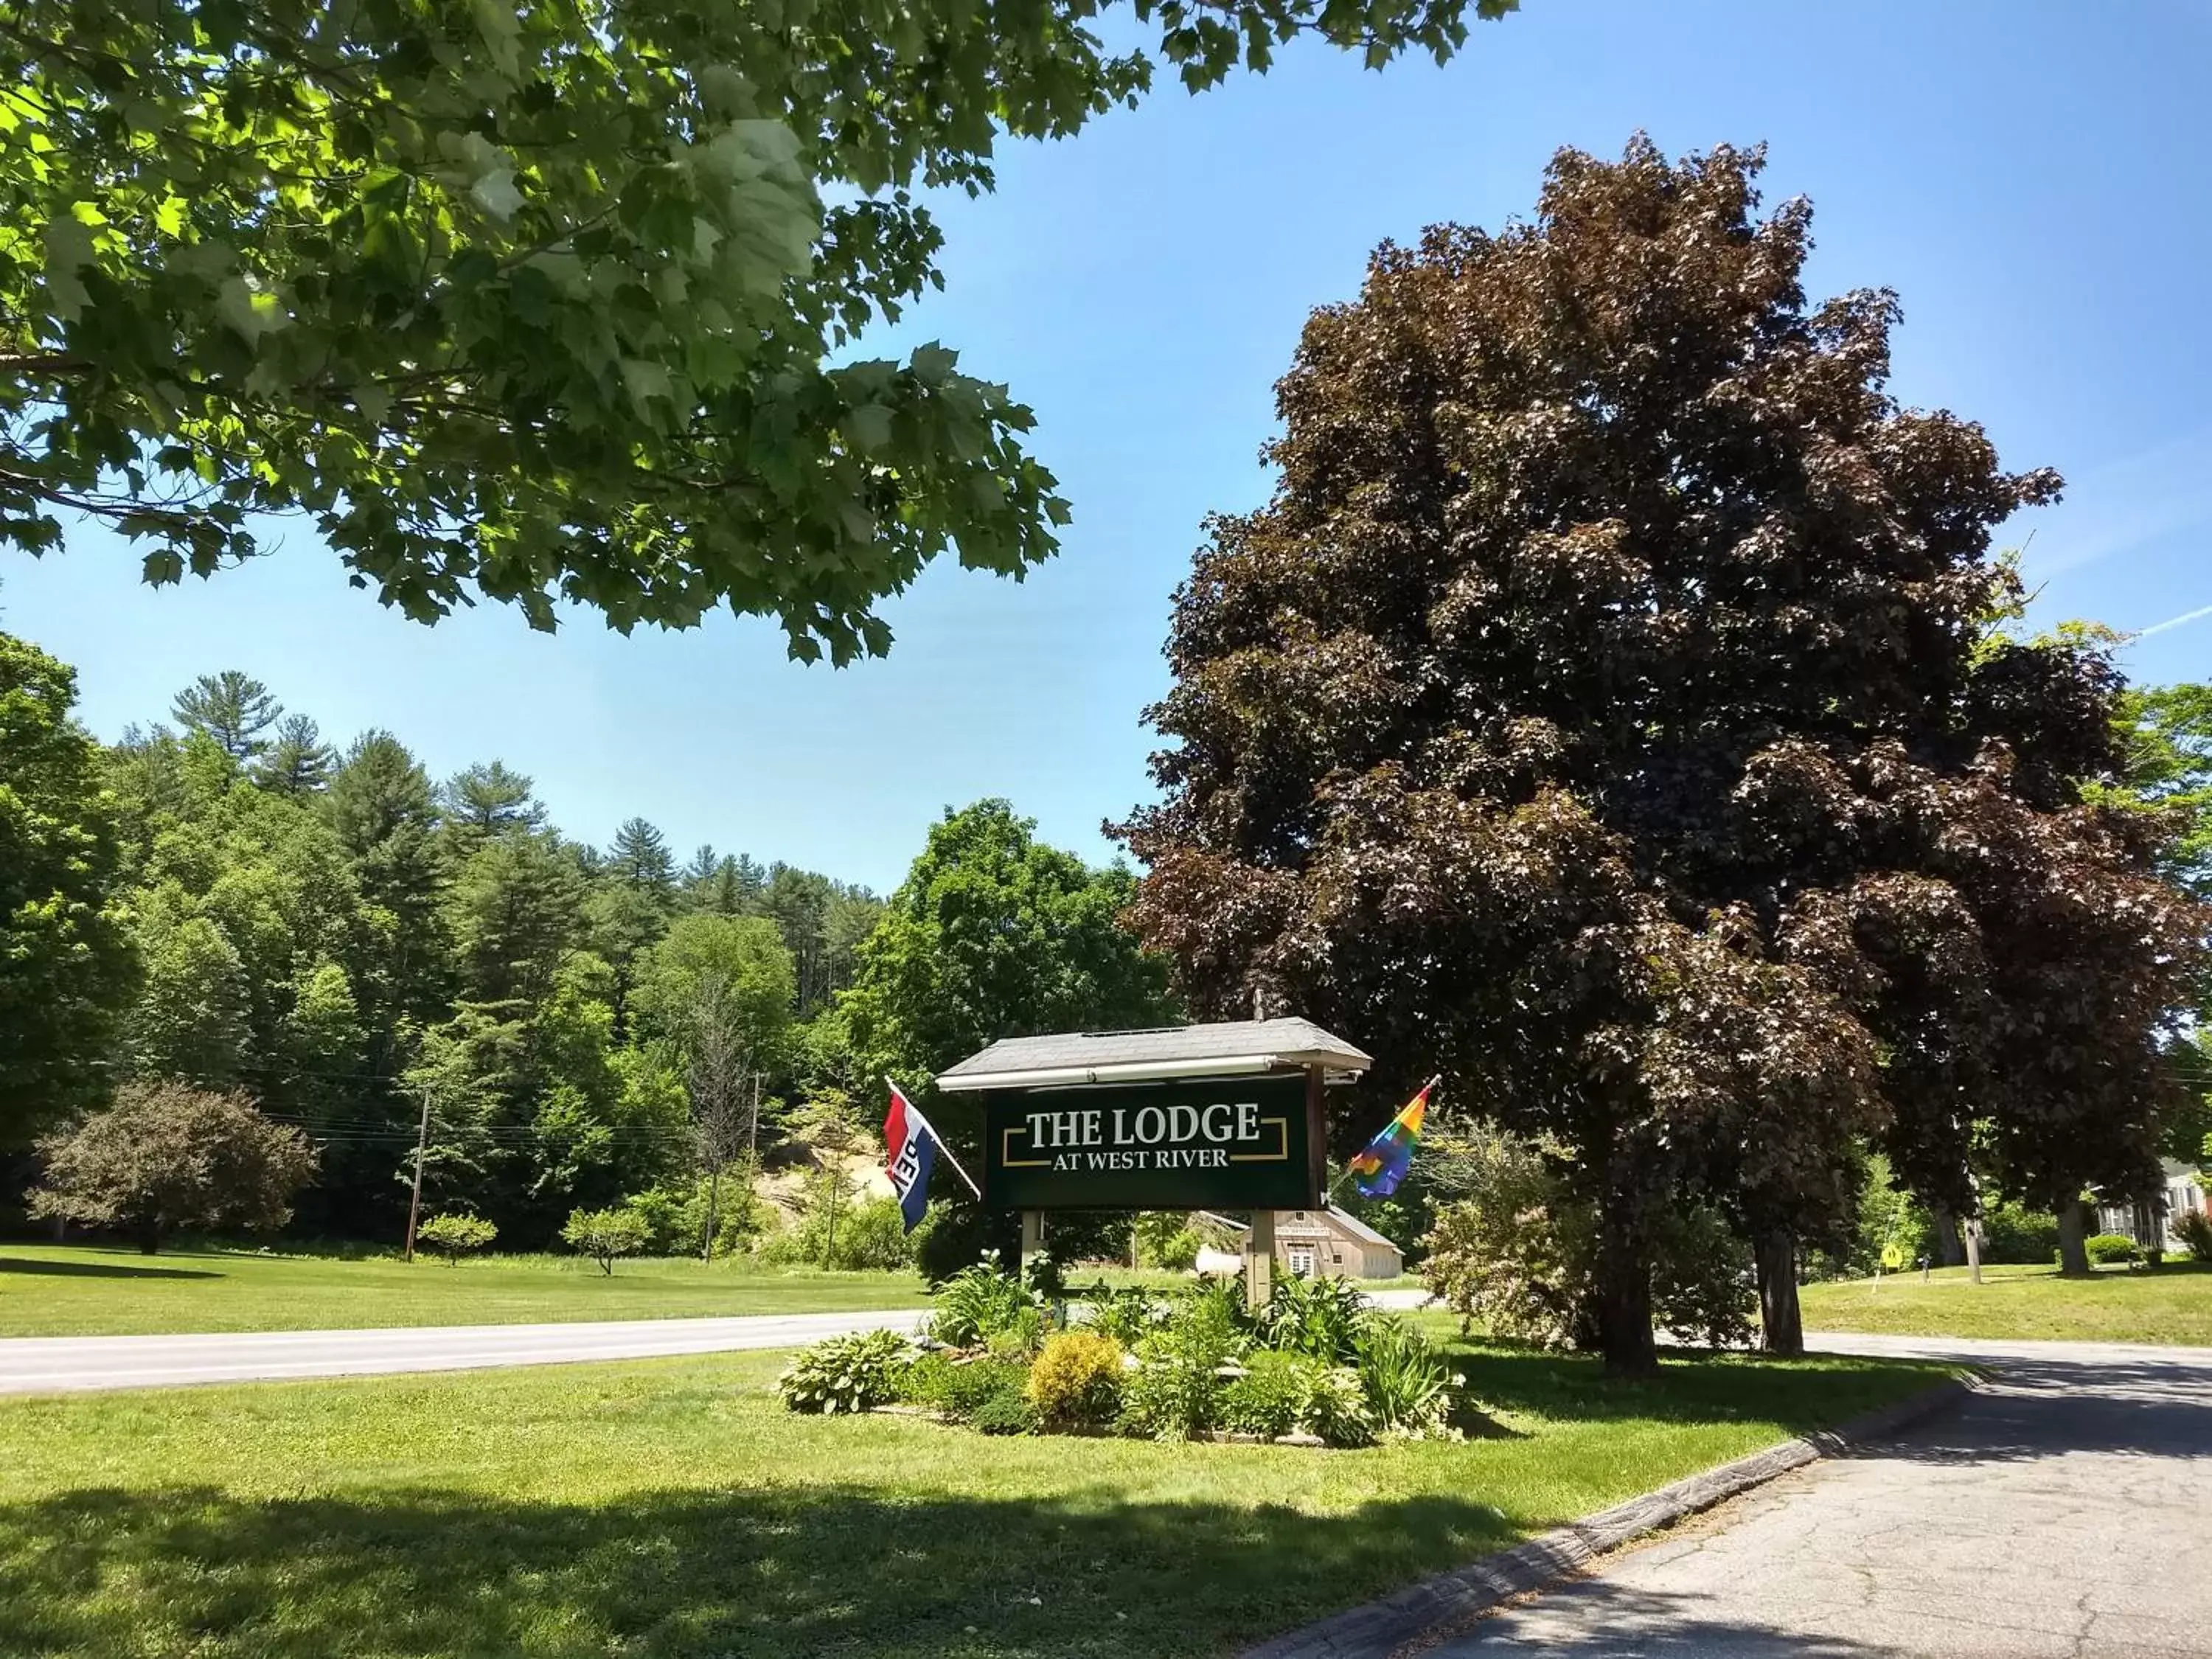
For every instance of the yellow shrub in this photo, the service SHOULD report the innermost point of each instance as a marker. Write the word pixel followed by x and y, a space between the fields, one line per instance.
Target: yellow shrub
pixel 1076 1381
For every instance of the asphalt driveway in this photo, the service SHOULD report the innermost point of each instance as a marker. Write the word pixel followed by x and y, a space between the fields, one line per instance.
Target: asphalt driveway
pixel 2065 1509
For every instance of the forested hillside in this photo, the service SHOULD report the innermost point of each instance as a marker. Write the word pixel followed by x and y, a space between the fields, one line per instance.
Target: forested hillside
pixel 341 934
pixel 224 899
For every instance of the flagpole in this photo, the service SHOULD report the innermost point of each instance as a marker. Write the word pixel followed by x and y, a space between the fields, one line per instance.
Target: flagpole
pixel 936 1137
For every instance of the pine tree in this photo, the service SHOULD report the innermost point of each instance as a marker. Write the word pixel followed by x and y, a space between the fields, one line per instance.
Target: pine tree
pixel 299 762
pixel 489 799
pixel 798 902
pixel 383 810
pixel 722 897
pixel 640 858
pixel 516 911
pixel 231 707
pixel 751 881
pixel 700 872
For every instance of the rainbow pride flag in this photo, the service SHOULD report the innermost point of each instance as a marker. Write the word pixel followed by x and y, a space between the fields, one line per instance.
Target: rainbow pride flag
pixel 1381 1165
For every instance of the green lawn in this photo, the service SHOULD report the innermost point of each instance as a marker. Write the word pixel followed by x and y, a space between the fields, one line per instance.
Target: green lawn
pixel 74 1291
pixel 2167 1304
pixel 672 1509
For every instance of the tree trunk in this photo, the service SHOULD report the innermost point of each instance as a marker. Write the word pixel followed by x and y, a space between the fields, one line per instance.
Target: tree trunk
pixel 714 1202
pixel 2072 1253
pixel 1781 1322
pixel 1950 1248
pixel 1624 1298
pixel 150 1237
pixel 1973 1231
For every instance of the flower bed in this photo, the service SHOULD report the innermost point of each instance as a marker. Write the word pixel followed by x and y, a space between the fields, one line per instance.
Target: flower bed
pixel 1316 1365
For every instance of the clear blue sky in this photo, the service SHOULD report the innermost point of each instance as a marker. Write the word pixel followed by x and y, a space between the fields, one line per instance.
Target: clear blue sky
pixel 2034 179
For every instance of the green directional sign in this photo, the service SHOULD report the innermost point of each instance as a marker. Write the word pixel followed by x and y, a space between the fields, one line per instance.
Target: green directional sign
pixel 1231 1144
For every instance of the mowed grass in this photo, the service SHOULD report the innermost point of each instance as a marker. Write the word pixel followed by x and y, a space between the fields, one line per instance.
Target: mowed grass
pixel 672 1509
pixel 2169 1305
pixel 76 1291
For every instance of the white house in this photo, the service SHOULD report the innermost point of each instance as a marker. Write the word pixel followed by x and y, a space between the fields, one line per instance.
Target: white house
pixel 2184 1194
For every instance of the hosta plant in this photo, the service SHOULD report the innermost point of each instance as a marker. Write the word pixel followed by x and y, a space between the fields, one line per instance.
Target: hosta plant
pixel 1336 1410
pixel 847 1373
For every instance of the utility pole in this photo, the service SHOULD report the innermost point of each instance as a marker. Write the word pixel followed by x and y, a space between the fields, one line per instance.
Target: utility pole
pixel 422 1143
pixel 714 1206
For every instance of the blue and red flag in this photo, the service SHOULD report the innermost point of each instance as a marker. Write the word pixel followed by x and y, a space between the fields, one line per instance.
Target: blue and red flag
pixel 910 1155
pixel 1381 1164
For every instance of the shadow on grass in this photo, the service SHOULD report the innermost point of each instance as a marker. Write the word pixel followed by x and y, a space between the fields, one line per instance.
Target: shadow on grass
pixel 1692 1386
pixel 793 1563
pixel 769 1574
pixel 12 1264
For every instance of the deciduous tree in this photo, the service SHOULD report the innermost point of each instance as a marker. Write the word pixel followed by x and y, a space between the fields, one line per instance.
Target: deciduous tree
pixel 192 1019
pixel 993 934
pixel 550 303
pixel 66 967
pixel 717 994
pixel 603 1234
pixel 1528 732
pixel 2167 730
pixel 738 962
pixel 450 1235
pixel 167 1156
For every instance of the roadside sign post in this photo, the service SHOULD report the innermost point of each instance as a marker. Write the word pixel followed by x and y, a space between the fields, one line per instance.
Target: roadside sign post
pixel 1260 1258
pixel 1032 1240
pixel 1215 1117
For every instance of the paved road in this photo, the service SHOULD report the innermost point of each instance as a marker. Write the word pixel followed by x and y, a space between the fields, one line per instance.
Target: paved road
pixel 2061 1510
pixel 68 1365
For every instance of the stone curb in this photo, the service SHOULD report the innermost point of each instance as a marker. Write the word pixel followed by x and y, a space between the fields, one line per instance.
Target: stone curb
pixel 1381 1628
